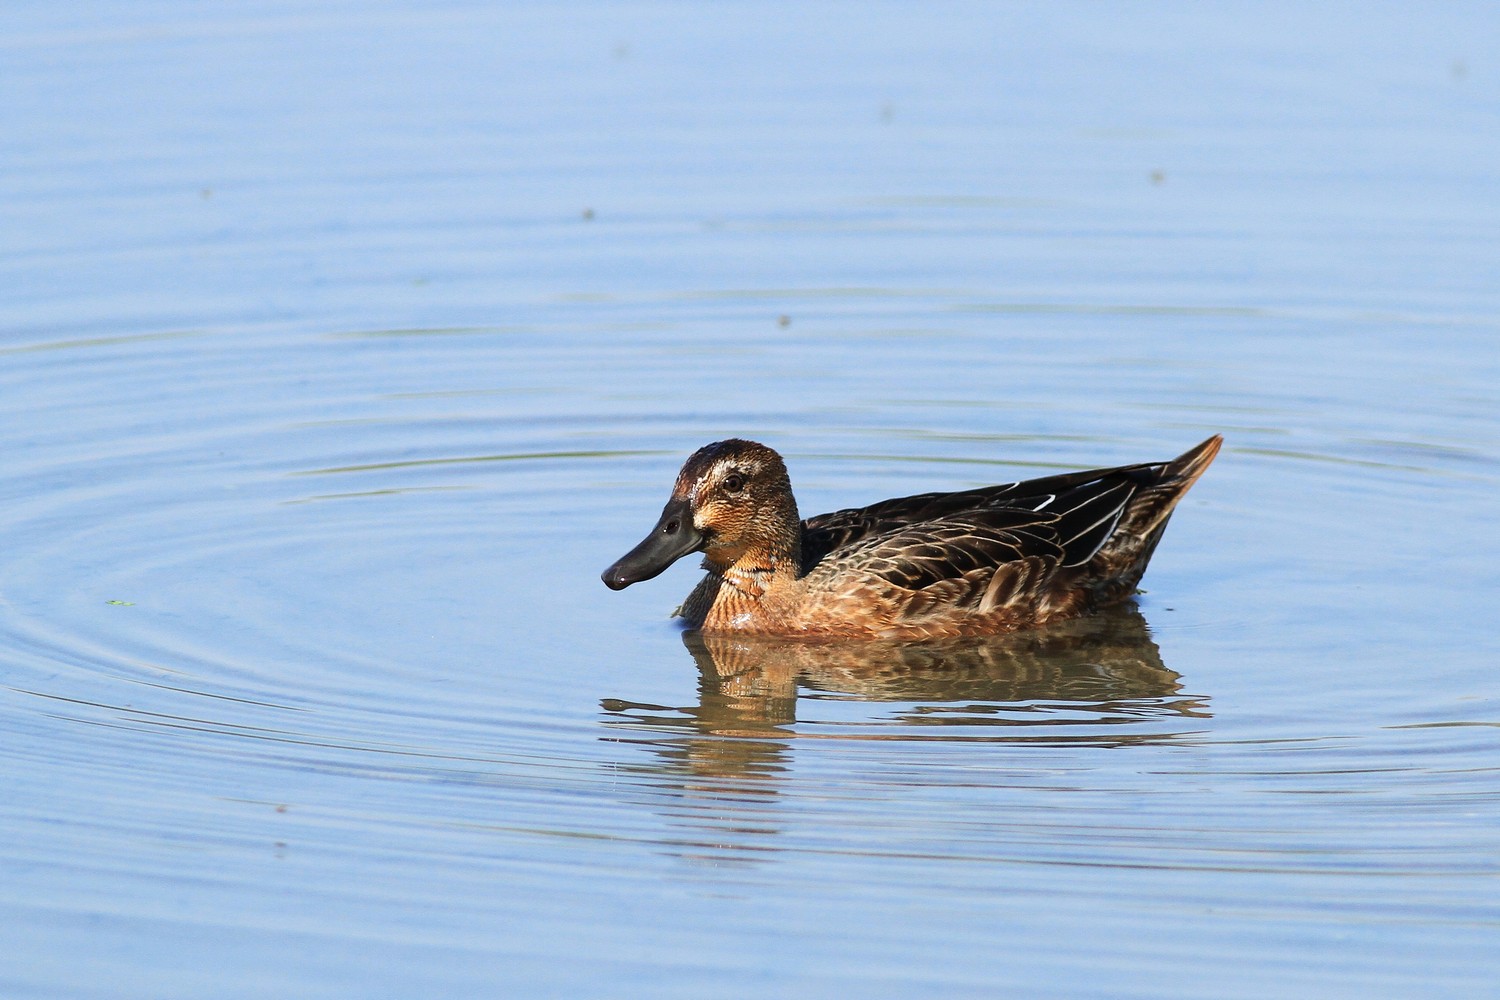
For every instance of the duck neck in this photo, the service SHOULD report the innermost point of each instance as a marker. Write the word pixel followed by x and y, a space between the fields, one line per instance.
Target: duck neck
pixel 752 568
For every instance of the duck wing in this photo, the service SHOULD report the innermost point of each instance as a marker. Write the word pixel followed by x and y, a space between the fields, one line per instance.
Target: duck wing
pixel 995 551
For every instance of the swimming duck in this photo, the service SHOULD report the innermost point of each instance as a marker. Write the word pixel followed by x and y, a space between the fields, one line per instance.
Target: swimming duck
pixel 976 562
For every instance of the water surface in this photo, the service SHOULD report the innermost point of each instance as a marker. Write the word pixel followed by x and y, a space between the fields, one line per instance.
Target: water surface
pixel 344 347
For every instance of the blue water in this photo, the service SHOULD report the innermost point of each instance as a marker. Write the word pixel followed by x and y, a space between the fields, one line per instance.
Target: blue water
pixel 343 345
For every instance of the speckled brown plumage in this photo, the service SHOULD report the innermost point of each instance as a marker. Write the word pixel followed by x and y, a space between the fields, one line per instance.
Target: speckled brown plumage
pixel 936 564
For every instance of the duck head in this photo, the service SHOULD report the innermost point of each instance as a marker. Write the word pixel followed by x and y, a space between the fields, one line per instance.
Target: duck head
pixel 732 500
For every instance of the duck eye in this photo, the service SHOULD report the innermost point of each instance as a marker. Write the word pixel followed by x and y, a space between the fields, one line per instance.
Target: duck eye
pixel 733 483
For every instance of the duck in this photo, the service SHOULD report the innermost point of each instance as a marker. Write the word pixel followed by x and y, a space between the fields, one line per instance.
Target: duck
pixel 974 562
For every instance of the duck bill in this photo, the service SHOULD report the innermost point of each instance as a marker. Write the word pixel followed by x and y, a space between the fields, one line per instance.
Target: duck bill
pixel 673 537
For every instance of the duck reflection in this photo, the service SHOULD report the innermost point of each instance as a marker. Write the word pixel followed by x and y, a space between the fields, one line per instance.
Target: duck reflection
pixel 715 769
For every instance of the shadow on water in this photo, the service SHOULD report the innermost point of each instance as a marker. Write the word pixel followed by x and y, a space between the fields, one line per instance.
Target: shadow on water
pixel 1098 681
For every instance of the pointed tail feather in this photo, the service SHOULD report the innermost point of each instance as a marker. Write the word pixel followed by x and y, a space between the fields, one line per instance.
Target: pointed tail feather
pixel 1151 509
pixel 1119 564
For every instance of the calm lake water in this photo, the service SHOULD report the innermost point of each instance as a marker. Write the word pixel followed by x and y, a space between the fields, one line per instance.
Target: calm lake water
pixel 343 345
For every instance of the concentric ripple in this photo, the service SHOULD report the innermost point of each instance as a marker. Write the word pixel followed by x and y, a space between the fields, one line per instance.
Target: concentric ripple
pixel 330 604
